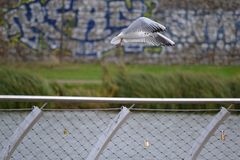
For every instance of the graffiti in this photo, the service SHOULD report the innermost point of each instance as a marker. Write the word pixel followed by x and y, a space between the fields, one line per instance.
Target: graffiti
pixel 210 31
pixel 86 27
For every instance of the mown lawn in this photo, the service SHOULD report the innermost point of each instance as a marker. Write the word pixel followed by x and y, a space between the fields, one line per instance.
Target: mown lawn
pixel 65 71
pixel 77 71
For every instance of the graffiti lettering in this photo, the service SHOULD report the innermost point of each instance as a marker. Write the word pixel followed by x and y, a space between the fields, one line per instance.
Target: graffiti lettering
pixel 86 27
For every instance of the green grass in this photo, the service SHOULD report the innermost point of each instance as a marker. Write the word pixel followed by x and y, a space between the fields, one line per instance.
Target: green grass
pixel 175 85
pixel 77 71
pixel 61 71
pixel 14 82
pixel 140 81
pixel 156 69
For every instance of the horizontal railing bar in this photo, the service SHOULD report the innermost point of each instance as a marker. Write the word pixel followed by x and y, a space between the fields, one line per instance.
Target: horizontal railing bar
pixel 119 100
pixel 117 109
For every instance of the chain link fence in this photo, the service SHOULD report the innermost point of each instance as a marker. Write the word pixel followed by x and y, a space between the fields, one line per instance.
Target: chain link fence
pixel 147 134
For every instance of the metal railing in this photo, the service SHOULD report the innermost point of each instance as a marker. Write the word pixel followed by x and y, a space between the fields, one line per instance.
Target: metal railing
pixel 120 100
pixel 107 134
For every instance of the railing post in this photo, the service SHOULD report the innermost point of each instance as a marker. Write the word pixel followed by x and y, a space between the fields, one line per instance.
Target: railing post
pixel 108 134
pixel 208 132
pixel 20 133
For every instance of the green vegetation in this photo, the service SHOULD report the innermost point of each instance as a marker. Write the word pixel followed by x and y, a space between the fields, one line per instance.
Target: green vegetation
pixel 43 2
pixel 150 7
pixel 42 42
pixel 153 50
pixel 60 71
pixel 22 83
pixel 15 39
pixel 128 3
pixel 19 3
pixel 176 85
pixel 2 11
pixel 114 80
pixel 13 82
pixel 77 71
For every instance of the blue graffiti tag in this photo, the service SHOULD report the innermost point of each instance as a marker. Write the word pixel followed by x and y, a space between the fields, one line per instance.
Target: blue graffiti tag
pixel 86 26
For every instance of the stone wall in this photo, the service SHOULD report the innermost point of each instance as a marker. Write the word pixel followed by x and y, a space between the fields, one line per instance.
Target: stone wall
pixel 205 32
pixel 210 5
pixel 210 34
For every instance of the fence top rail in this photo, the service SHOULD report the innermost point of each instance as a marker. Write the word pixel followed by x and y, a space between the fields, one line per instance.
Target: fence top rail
pixel 119 100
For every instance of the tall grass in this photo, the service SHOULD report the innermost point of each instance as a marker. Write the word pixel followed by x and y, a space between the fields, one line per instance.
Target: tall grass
pixel 164 85
pixel 14 82
pixel 176 85
pixel 234 85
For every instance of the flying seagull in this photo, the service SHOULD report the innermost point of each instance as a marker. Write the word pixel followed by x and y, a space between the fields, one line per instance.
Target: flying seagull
pixel 143 30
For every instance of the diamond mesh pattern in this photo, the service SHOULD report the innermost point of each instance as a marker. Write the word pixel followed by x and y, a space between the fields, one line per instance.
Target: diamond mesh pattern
pixel 72 134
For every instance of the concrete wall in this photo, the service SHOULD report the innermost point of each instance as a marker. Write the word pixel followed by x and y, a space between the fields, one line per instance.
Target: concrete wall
pixel 204 31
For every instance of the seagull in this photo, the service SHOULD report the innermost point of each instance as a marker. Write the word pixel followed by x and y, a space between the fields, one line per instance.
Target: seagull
pixel 143 30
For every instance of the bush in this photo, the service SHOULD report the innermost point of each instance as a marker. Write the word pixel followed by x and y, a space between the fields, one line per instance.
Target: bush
pixel 14 82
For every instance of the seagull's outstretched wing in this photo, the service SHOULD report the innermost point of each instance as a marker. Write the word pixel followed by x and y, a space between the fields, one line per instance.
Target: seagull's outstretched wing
pixel 160 39
pixel 144 24
pixel 155 39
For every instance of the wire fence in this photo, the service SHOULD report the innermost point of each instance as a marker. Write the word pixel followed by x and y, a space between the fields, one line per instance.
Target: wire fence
pixel 147 134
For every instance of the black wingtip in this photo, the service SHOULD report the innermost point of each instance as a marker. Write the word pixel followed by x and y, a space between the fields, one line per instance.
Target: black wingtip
pixel 170 44
pixel 157 30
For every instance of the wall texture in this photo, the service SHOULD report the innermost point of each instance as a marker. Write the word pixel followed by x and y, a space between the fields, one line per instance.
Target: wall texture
pixel 204 32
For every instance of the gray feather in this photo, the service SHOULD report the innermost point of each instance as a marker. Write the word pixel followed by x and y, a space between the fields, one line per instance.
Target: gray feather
pixel 144 24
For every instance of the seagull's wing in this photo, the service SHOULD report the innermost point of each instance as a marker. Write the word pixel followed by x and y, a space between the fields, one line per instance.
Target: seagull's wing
pixel 155 39
pixel 144 24
pixel 160 39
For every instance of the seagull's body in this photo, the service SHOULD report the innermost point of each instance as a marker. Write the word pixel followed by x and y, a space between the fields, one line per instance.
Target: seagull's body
pixel 143 30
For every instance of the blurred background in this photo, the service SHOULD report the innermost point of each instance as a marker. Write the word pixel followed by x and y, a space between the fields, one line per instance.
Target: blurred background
pixel 62 47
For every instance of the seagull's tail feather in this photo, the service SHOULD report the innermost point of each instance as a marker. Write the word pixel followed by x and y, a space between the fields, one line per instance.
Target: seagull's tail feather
pixel 116 40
